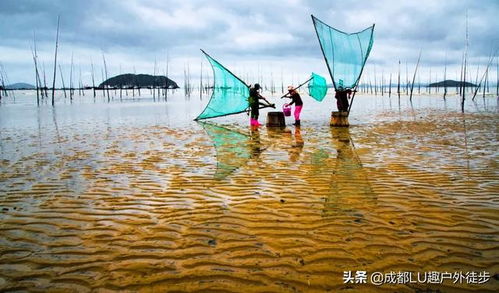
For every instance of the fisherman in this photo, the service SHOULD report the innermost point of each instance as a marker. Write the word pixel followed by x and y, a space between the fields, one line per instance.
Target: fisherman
pixel 295 99
pixel 342 96
pixel 254 103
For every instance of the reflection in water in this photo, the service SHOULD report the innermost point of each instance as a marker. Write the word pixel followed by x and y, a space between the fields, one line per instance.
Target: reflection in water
pixel 233 148
pixel 297 147
pixel 350 190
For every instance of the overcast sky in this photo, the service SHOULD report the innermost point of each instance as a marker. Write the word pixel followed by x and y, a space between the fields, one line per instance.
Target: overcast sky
pixel 251 38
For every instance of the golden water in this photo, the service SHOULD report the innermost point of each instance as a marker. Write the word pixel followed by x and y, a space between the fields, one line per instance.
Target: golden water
pixel 155 209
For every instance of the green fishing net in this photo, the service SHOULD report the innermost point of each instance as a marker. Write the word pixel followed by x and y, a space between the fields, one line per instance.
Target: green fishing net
pixel 317 87
pixel 230 94
pixel 345 54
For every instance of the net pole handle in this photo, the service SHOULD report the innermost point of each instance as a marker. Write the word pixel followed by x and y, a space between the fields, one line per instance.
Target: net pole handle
pixel 353 97
pixel 299 86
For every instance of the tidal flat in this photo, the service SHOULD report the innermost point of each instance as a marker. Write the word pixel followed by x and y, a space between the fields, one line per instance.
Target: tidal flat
pixel 135 196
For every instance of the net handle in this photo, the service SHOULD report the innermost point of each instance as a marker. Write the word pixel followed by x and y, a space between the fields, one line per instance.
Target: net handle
pixel 298 86
pixel 353 97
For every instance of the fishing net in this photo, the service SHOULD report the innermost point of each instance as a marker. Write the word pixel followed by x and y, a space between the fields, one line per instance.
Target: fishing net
pixel 345 54
pixel 230 94
pixel 317 87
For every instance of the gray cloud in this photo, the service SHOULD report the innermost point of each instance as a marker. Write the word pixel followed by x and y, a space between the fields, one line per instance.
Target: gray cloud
pixel 273 35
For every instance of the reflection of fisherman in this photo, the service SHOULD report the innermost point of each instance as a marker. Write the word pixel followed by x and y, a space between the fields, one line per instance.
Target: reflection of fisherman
pixel 297 148
pixel 350 188
pixel 254 103
pixel 295 99
pixel 255 143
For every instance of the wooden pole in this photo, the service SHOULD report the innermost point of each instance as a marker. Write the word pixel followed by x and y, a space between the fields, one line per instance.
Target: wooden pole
pixel 406 79
pixel 414 77
pixel 497 77
pixel 483 76
pixel 154 81
pixel 81 91
pixel 201 82
pixel 461 76
pixel 71 91
pixel 93 77
pixel 166 86
pixel 45 82
pixel 465 61
pixel 390 86
pixel 37 77
pixel 62 79
pixel 55 59
pixel 105 70
pixel 445 76
pixel 429 82
pixel 121 87
pixel 398 84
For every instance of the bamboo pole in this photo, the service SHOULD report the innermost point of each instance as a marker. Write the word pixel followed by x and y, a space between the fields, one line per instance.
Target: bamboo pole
pixel 497 77
pixel 37 72
pixel 382 82
pixel 154 81
pixel 465 61
pixel 414 77
pixel 398 84
pixel 491 59
pixel 201 82
pixel 55 59
pixel 71 92
pixel 121 87
pixel 461 76
pixel 45 82
pixel 36 78
pixel 62 79
pixel 429 82
pixel 406 79
pixel 105 70
pixel 419 83
pixel 445 76
pixel 80 82
pixel 93 77
pixel 390 86
pixel 166 86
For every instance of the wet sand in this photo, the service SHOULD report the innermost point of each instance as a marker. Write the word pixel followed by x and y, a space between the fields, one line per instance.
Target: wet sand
pixel 229 209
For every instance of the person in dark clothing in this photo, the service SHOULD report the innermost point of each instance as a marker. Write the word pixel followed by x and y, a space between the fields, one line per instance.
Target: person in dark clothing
pixel 254 103
pixel 295 99
pixel 342 96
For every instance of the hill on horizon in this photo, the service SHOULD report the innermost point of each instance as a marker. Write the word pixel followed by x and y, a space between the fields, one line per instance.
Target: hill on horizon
pixel 451 83
pixel 139 80
pixel 20 86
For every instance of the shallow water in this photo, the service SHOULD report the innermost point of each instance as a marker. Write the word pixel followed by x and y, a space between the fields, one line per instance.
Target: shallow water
pixel 133 195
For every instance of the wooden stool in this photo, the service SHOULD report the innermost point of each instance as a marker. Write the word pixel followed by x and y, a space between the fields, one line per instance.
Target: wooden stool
pixel 339 119
pixel 275 119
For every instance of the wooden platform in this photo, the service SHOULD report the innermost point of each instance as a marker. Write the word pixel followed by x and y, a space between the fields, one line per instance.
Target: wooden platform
pixel 275 119
pixel 339 119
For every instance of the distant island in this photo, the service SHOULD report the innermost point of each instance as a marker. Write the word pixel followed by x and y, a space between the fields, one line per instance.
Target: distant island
pixel 139 80
pixel 20 86
pixel 452 83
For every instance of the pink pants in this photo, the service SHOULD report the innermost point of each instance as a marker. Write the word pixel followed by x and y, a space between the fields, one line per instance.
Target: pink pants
pixel 297 112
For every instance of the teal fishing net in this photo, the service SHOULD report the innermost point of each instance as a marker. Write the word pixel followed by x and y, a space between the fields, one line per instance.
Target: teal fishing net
pixel 317 87
pixel 345 54
pixel 230 94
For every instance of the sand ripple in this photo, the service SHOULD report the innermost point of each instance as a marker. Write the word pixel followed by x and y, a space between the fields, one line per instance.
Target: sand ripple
pixel 223 210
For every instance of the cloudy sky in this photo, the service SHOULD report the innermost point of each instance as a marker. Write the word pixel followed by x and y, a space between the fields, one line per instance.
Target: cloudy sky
pixel 252 38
